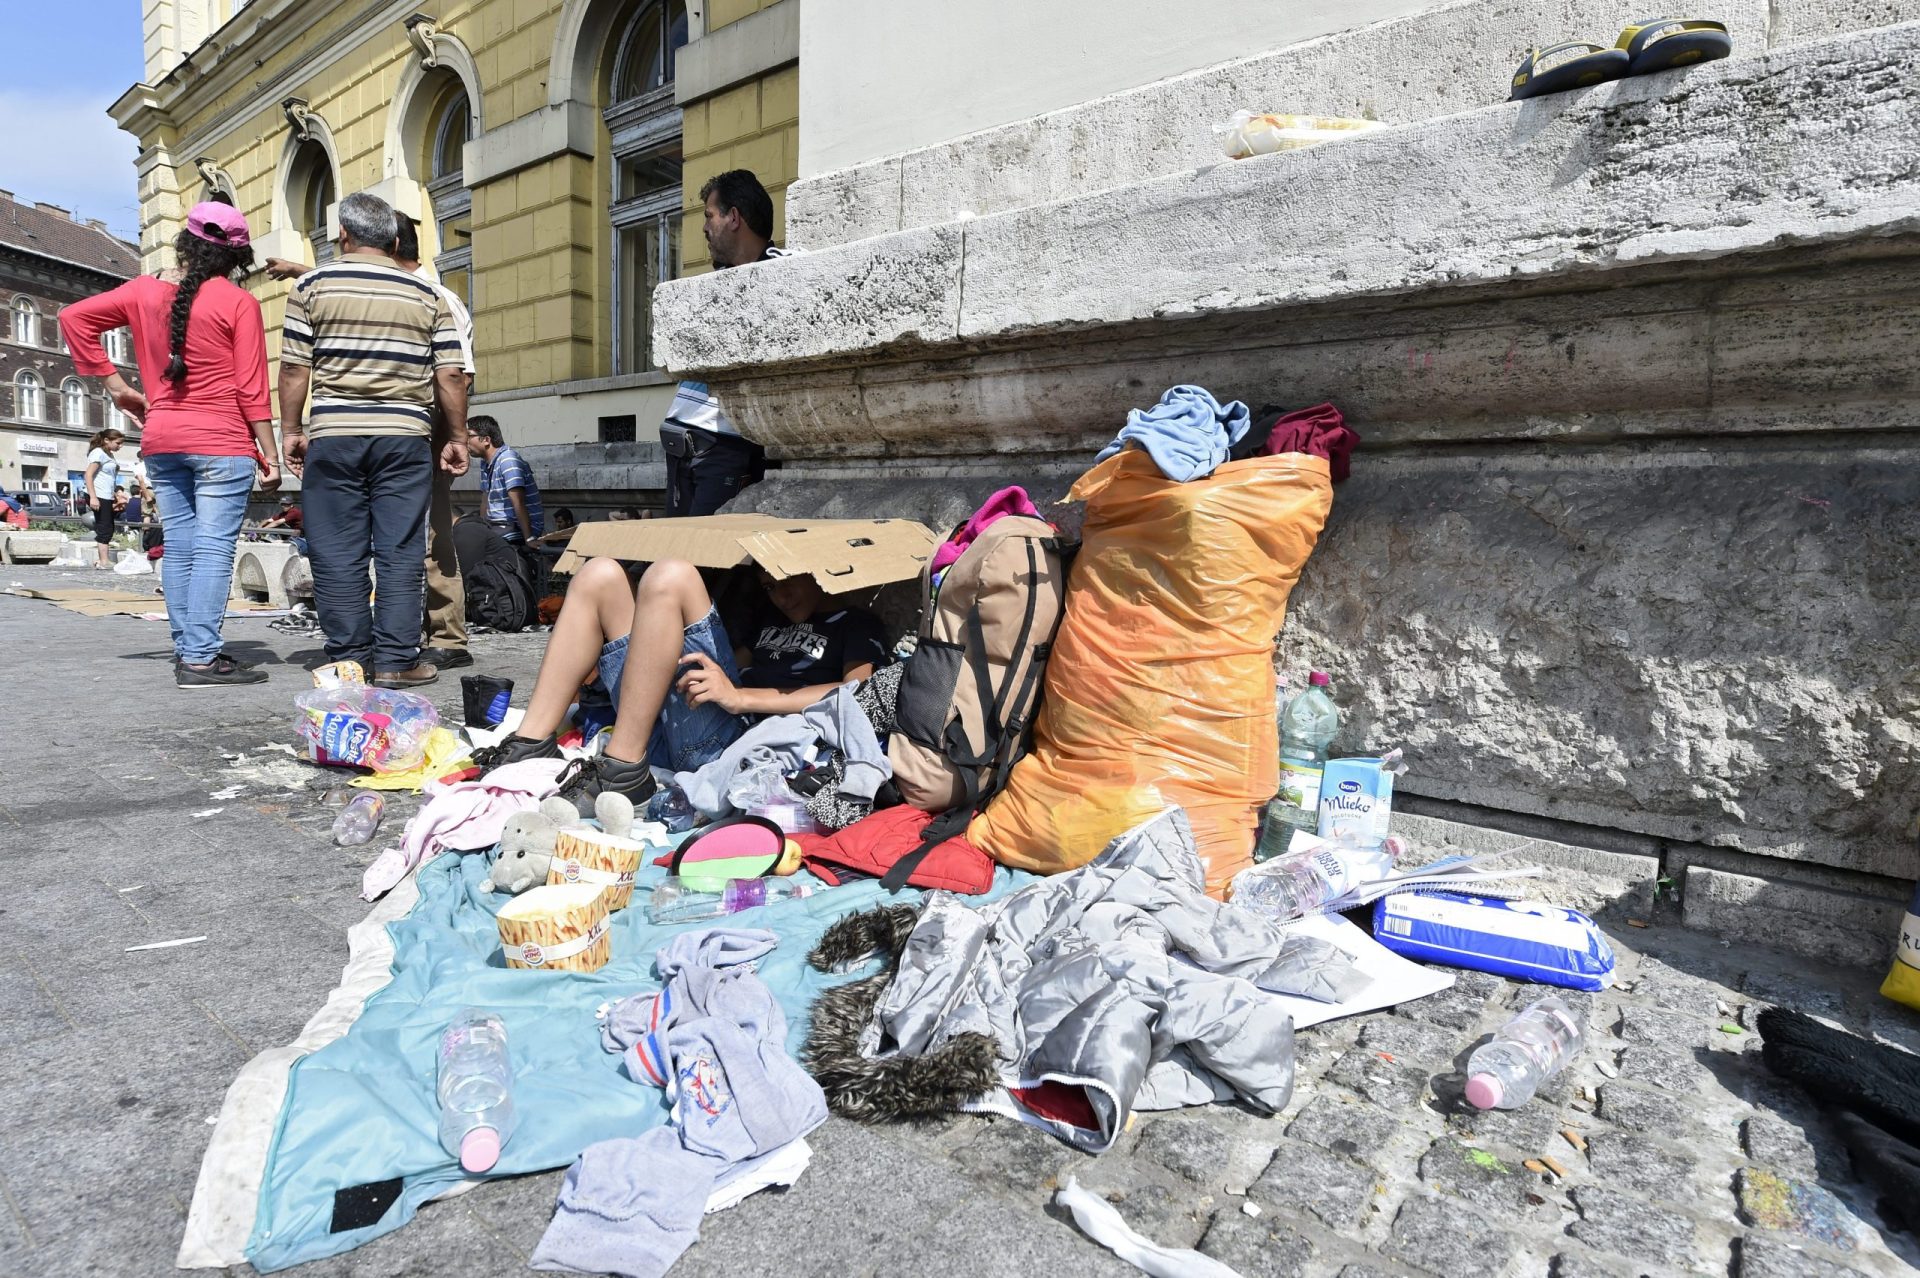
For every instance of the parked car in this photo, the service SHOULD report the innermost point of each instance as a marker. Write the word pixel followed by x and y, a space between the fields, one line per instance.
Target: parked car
pixel 41 505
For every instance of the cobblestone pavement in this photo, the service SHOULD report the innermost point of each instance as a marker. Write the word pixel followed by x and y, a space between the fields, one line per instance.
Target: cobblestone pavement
pixel 1668 1150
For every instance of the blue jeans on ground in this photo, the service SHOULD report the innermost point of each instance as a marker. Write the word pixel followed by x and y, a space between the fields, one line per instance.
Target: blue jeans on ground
pixel 202 501
pixel 364 501
pixel 686 737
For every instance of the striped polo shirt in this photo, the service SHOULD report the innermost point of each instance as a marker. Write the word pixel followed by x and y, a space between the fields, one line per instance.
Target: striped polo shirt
pixel 373 335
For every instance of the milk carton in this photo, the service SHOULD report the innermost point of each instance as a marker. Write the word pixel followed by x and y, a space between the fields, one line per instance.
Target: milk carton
pixel 1356 800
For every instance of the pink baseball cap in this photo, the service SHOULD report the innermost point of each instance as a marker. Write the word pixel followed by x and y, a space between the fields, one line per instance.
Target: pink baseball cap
pixel 218 223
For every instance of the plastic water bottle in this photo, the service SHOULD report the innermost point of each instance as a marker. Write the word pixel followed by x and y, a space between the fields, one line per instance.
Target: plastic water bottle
pixel 476 1089
pixel 1274 831
pixel 1307 727
pixel 361 818
pixel 1530 1049
pixel 670 807
pixel 1298 886
pixel 674 902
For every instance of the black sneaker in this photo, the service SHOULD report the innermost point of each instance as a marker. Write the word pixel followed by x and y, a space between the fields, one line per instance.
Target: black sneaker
pixel 446 658
pixel 587 779
pixel 222 672
pixel 512 749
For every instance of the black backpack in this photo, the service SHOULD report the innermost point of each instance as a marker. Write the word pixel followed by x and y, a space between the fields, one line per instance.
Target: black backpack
pixel 500 597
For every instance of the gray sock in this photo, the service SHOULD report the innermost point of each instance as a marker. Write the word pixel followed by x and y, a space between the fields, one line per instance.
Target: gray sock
pixel 628 1207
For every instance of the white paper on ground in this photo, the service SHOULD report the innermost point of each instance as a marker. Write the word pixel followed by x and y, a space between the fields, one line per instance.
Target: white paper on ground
pixel 1394 979
pixel 1099 1221
pixel 781 1166
pixel 494 736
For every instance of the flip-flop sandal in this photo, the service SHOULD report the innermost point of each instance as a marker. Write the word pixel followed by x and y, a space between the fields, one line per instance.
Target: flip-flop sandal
pixel 1573 64
pixel 1661 44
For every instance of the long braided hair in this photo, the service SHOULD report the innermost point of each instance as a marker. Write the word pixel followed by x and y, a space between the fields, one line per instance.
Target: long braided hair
pixel 202 260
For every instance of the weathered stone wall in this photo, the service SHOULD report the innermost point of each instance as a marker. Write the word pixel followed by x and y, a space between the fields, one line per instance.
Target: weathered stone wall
pixel 1631 541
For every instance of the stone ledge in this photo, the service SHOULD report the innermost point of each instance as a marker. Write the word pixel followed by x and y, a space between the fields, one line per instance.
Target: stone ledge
pixel 1836 927
pixel 1653 169
pixel 1444 60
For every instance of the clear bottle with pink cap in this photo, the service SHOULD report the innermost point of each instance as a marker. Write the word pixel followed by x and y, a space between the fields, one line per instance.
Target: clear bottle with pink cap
pixel 1528 1050
pixel 476 1090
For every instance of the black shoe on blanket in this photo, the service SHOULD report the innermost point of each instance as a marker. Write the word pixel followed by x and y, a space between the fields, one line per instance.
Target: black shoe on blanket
pixel 587 779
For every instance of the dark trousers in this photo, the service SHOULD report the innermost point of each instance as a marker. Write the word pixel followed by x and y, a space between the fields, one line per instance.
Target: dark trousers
pixel 705 471
pixel 365 499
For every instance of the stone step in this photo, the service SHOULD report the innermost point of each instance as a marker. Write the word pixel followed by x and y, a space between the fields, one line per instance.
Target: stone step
pixel 1441 61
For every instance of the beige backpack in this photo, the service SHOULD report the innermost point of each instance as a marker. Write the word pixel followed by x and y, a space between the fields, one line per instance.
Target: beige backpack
pixel 973 684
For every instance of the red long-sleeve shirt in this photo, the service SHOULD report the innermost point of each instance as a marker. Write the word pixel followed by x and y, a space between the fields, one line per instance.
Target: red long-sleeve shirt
pixel 226 384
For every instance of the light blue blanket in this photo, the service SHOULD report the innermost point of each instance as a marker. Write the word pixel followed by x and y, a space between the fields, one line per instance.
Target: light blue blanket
pixel 363 1110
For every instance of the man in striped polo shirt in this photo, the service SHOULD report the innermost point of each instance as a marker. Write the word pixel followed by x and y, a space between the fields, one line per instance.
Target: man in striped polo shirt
pixel 379 349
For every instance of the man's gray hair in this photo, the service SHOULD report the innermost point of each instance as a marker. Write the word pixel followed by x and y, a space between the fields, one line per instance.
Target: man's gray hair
pixel 369 221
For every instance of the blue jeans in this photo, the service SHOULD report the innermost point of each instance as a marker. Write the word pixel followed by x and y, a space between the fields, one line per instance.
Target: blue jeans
pixel 202 501
pixel 364 502
pixel 686 737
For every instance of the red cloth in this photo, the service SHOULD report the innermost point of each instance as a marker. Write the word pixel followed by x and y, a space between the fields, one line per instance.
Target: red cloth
pixel 872 844
pixel 1008 501
pixel 1320 431
pixel 226 384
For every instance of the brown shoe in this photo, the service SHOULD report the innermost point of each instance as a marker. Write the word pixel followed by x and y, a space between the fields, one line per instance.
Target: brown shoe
pixel 419 676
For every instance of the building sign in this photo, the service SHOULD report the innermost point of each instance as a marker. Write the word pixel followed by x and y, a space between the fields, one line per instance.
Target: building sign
pixel 42 447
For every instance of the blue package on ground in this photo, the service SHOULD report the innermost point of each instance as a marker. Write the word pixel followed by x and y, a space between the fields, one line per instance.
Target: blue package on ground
pixel 1522 939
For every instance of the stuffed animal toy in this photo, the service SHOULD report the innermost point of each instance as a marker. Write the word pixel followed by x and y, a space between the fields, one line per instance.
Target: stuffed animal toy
pixel 526 846
pixel 527 839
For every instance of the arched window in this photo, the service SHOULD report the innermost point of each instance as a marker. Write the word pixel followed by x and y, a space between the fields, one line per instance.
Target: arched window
pixel 73 402
pixel 119 349
pixel 26 321
pixel 447 137
pixel 116 420
pixel 309 194
pixel 26 397
pixel 645 208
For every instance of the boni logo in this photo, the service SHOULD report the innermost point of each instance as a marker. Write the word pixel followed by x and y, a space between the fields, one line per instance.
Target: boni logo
pixel 531 955
pixel 1349 787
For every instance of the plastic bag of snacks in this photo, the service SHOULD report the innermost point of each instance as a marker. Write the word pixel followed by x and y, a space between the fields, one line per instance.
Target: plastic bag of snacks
pixel 357 726
pixel 1903 978
pixel 1249 134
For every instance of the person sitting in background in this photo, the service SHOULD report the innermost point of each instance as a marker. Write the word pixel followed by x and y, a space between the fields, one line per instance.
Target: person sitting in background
pixel 682 692
pixel 563 520
pixel 513 506
pixel 288 518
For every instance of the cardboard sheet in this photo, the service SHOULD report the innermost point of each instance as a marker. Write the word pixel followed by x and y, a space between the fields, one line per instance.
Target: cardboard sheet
pixel 1395 980
pixel 121 603
pixel 843 554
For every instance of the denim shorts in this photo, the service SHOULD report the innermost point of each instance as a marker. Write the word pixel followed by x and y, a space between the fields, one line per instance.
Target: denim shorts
pixel 686 737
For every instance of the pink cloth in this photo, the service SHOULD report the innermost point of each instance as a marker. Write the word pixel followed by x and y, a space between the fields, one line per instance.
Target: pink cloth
pixel 463 816
pixel 1320 431
pixel 1008 501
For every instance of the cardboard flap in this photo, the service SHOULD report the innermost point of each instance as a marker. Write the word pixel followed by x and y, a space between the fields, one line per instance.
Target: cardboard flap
pixel 842 554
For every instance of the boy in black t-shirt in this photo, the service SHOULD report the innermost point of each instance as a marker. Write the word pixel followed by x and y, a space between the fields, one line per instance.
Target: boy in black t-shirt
pixel 682 692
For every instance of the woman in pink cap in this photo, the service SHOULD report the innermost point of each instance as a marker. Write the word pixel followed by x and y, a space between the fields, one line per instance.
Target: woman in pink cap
pixel 206 420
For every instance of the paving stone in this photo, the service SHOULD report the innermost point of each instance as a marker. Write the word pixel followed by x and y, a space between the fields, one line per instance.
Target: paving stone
pixel 1583 1264
pixel 1663 1027
pixel 1784 1147
pixel 1418 1041
pixel 1473 993
pixel 1518 1133
pixel 1669 987
pixel 1391 1084
pixel 1764 1256
pixel 1174 1216
pixel 1359 1131
pixel 1644 1166
pixel 1257 1246
pixel 1674 1068
pixel 1642 1109
pixel 1364 1271
pixel 1783 989
pixel 1308 1178
pixel 1446 1238
pixel 1497 1187
pixel 1626 1226
pixel 1791 1206
pixel 1022 1157
pixel 1190 1147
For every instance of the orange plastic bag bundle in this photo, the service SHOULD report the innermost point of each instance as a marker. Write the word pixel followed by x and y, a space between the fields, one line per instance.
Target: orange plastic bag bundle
pixel 1160 689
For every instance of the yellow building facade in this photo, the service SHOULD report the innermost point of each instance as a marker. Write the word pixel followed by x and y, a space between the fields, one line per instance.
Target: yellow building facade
pixel 552 149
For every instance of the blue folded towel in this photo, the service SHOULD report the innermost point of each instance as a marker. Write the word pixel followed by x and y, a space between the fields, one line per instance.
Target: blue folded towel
pixel 1188 433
